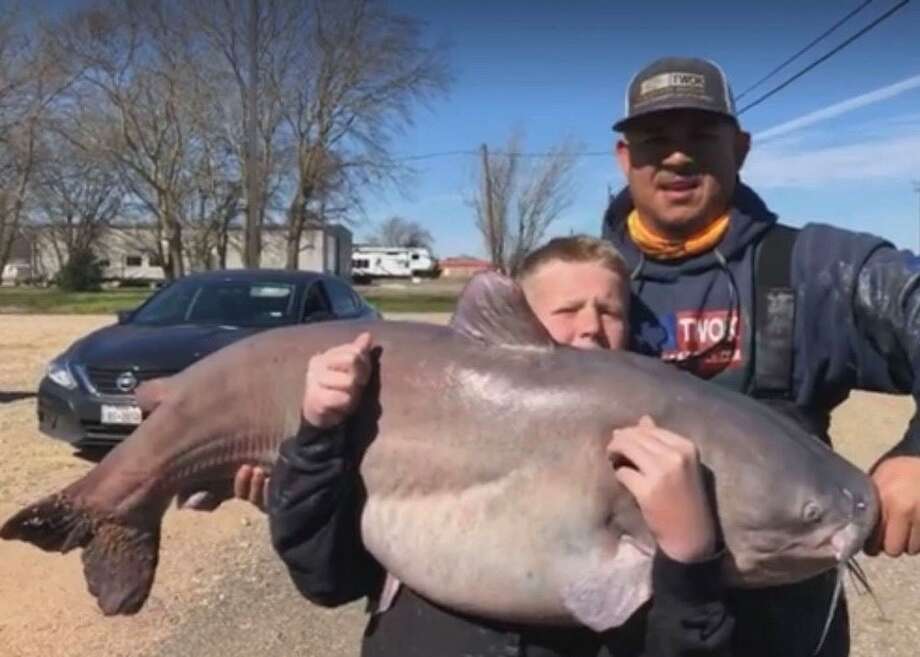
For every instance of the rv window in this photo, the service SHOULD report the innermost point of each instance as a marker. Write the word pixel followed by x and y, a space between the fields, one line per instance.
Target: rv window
pixel 133 261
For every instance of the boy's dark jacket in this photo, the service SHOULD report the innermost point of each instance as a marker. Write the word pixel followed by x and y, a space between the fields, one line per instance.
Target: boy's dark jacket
pixel 857 316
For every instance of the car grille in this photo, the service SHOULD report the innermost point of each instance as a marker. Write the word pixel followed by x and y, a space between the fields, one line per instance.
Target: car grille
pixel 96 434
pixel 103 380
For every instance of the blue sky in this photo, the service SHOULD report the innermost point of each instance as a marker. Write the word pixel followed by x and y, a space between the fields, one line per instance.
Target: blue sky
pixel 826 148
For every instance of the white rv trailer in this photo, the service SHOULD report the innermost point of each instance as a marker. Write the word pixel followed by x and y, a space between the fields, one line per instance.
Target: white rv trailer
pixel 369 262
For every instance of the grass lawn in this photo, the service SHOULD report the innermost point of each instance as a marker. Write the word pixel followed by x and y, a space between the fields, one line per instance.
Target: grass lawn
pixel 55 301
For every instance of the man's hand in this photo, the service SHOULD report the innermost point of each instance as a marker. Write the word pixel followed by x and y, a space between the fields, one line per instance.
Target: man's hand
pixel 662 471
pixel 335 380
pixel 898 531
pixel 251 484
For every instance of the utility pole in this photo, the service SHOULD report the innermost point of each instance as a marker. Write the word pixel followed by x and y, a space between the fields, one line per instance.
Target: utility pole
pixel 252 249
pixel 489 208
pixel 917 192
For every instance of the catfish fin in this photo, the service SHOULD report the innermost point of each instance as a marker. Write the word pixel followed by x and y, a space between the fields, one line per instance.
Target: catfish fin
pixel 119 559
pixel 604 594
pixel 492 309
pixel 391 587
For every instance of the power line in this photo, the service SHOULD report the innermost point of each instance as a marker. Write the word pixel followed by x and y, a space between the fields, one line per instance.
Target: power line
pixel 778 88
pixel 429 156
pixel 917 191
pixel 823 58
pixel 801 52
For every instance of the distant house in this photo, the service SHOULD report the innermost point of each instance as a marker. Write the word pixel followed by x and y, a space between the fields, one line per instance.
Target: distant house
pixel 463 267
pixel 129 253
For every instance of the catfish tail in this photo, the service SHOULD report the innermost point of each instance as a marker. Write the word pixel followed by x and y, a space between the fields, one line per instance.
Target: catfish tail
pixel 119 559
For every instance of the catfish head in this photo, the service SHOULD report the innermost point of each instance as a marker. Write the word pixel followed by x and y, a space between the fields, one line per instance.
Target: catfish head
pixel 791 509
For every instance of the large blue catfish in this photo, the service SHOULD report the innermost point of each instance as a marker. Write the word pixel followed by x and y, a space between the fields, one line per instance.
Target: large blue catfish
pixel 488 486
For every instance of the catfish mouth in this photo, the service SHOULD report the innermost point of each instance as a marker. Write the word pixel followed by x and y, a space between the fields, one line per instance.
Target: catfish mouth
pixel 774 570
pixel 773 563
pixel 848 541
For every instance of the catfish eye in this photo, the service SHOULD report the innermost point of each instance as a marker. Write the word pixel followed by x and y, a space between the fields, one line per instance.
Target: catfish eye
pixel 812 512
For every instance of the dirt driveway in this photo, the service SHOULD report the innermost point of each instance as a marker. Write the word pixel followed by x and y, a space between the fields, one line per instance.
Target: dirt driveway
pixel 219 590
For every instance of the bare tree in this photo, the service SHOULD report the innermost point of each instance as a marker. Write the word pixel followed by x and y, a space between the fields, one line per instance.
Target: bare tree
pixel 397 231
pixel 139 63
pixel 16 171
pixel 349 86
pixel 518 198
pixel 78 196
pixel 154 103
pixel 31 77
pixel 251 42
pixel 215 198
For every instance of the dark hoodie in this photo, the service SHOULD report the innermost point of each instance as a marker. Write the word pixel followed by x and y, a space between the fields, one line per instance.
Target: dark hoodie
pixel 856 326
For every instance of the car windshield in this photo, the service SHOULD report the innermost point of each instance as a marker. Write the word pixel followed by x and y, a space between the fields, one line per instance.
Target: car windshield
pixel 226 302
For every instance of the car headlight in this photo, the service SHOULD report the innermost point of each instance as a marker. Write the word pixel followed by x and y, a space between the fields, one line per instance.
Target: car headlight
pixel 58 372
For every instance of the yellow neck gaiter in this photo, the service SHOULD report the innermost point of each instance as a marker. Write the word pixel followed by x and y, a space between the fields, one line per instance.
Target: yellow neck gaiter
pixel 665 248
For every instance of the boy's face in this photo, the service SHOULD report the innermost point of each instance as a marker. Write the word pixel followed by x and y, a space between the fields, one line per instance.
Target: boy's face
pixel 581 304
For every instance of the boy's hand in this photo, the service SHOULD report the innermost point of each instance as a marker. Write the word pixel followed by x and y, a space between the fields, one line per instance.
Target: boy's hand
pixel 662 471
pixel 335 380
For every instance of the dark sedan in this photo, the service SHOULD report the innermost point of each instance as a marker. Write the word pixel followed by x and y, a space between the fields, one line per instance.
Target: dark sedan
pixel 86 396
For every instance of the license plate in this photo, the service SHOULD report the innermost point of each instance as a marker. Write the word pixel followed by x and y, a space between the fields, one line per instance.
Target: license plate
pixel 121 414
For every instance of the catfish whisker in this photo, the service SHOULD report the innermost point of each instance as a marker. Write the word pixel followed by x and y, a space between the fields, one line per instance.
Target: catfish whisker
pixel 859 575
pixel 831 612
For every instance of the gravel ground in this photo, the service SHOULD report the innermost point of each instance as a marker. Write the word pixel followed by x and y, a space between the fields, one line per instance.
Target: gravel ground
pixel 254 610
pixel 220 591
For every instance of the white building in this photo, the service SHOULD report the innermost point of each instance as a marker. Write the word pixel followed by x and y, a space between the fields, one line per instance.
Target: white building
pixel 129 253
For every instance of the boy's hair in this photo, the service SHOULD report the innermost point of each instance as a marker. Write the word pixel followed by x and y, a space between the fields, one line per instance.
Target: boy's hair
pixel 577 248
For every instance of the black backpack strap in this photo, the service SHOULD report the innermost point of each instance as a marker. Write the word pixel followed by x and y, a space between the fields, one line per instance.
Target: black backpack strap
pixel 774 315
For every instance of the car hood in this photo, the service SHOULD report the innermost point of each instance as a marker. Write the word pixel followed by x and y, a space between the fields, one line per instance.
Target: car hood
pixel 153 347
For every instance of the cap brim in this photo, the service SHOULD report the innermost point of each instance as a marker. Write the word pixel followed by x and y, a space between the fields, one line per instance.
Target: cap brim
pixel 622 124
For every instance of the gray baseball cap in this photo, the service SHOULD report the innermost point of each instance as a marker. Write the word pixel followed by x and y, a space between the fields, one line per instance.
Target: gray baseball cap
pixel 678 83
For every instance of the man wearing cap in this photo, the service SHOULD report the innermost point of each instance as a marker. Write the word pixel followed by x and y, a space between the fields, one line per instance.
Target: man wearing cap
pixel 797 318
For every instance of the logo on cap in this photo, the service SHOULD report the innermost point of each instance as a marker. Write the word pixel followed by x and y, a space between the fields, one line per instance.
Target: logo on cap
pixel 678 82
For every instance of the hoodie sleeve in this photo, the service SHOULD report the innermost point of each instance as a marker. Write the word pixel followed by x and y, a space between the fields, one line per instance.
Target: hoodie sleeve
pixel 688 615
pixel 858 323
pixel 314 510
